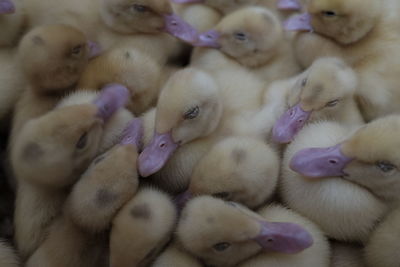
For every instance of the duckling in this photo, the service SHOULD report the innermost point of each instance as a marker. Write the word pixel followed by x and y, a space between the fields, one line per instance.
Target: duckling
pixel 109 182
pixel 224 233
pixel 12 22
pixel 192 112
pixel 143 226
pixel 366 158
pixel 317 255
pixel 200 16
pixel 344 210
pixel 52 59
pixel 143 24
pixel 173 255
pixel 324 92
pixel 139 72
pixel 383 247
pixel 346 255
pixel 67 245
pixel 239 169
pixel 254 37
pixel 367 38
pixel 8 257
pixel 48 156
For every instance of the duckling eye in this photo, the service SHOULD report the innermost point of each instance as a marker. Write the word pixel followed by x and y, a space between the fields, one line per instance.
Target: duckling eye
pixel 222 195
pixel 385 166
pixel 221 246
pixel 76 50
pixel 140 8
pixel 191 113
pixel 304 82
pixel 240 36
pixel 82 142
pixel 328 13
pixel 332 103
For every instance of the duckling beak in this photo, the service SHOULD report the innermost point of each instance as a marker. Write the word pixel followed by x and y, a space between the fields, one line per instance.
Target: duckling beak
pixel 94 49
pixel 111 99
pixel 288 238
pixel 300 22
pixel 133 134
pixel 289 5
pixel 186 1
pixel 320 162
pixel 180 29
pixel 156 154
pixel 289 124
pixel 208 39
pixel 7 7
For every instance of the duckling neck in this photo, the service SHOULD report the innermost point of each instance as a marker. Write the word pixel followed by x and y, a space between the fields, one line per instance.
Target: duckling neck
pixel 258 57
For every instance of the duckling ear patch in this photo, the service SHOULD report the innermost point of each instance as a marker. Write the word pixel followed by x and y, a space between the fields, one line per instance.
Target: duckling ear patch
pixel 141 211
pixel 32 151
pixel 37 40
pixel 239 155
pixel 104 197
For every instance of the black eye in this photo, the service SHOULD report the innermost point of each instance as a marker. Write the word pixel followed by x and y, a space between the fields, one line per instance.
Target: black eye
pixel 81 144
pixel 385 166
pixel 240 36
pixel 328 13
pixel 191 113
pixel 140 8
pixel 77 50
pixel 332 103
pixel 221 246
pixel 222 195
pixel 304 82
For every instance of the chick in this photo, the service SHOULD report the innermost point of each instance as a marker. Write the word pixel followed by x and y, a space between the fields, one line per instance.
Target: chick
pixel 200 16
pixel 224 233
pixel 12 22
pixel 8 257
pixel 109 182
pixel 49 155
pixel 366 37
pixel 323 92
pixel 383 247
pixel 344 210
pixel 254 37
pixel 143 226
pixel 239 169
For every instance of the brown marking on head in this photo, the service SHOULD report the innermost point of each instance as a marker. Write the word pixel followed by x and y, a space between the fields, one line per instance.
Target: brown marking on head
pixel 239 155
pixel 32 151
pixel 141 211
pixel 104 197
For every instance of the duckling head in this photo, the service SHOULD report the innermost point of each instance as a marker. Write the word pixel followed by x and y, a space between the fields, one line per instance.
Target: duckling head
pixel 344 21
pixel 369 158
pixel 242 170
pixel 225 233
pixel 7 7
pixel 250 35
pixel 189 107
pixel 145 16
pixel 62 143
pixel 53 57
pixel 321 93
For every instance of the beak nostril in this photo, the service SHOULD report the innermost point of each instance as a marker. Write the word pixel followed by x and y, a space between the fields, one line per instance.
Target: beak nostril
pixel 333 161
pixel 162 145
pixel 270 240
